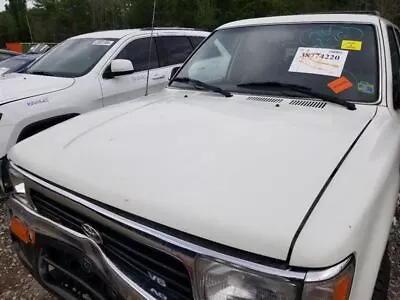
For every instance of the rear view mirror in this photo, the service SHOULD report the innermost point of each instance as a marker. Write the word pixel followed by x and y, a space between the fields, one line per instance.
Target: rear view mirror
pixel 119 67
pixel 173 72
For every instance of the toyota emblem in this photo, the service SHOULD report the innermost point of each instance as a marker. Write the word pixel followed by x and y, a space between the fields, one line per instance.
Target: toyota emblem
pixel 92 233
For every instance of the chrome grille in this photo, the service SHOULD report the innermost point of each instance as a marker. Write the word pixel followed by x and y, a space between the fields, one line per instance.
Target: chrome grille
pixel 150 268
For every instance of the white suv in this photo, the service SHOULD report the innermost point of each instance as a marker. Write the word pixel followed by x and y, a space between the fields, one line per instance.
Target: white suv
pixel 269 169
pixel 87 72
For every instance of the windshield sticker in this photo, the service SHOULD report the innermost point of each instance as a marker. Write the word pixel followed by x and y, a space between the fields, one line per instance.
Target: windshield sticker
pixel 102 43
pixel 351 45
pixel 340 85
pixel 319 61
pixel 366 87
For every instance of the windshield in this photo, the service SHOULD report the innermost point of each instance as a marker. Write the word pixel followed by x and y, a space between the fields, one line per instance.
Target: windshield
pixel 331 59
pixel 72 58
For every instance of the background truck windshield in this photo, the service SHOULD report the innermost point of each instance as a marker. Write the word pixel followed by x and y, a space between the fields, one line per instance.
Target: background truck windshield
pixel 332 59
pixel 72 58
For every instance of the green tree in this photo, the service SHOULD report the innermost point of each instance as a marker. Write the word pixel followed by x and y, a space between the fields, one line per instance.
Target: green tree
pixel 18 10
pixel 55 20
pixel 8 31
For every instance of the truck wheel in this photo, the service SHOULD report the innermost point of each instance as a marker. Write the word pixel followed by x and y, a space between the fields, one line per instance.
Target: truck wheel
pixel 382 282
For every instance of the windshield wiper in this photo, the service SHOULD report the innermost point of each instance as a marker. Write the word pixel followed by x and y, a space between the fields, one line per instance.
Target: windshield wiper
pixel 44 73
pixel 301 89
pixel 203 85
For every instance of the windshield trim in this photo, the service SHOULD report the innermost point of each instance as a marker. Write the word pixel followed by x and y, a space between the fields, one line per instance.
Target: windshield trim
pixel 379 46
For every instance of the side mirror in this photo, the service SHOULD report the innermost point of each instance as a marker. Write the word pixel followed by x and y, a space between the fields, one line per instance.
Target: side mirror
pixel 118 67
pixel 173 72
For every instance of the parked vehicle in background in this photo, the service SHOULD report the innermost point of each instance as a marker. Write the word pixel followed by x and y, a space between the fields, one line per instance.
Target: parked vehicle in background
pixel 20 63
pixel 17 64
pixel 87 72
pixel 39 48
pixel 5 54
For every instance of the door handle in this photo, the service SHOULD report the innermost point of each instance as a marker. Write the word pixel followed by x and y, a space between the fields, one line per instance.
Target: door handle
pixel 157 77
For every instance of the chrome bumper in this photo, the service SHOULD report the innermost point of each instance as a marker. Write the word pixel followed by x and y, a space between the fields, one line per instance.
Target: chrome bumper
pixel 121 284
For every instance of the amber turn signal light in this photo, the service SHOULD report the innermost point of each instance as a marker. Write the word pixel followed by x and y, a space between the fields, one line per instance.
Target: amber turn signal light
pixel 21 231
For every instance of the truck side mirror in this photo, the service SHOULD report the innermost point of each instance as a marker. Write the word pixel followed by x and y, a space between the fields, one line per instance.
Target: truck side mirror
pixel 118 67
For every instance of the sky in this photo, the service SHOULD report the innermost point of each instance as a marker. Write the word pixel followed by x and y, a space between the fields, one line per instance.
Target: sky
pixel 3 2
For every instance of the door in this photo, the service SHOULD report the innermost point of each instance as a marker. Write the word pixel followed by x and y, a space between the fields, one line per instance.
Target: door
pixel 143 55
pixel 172 51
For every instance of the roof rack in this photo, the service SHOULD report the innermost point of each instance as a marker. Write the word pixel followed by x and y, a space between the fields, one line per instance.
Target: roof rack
pixel 357 12
pixel 168 28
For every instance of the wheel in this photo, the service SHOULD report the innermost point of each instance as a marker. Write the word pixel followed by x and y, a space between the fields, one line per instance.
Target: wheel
pixel 382 282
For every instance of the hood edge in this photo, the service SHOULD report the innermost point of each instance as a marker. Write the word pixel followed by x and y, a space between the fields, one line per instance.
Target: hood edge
pixel 47 93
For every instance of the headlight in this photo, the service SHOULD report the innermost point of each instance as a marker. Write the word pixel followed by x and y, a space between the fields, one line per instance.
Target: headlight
pixel 17 181
pixel 222 281
pixel 218 281
pixel 337 287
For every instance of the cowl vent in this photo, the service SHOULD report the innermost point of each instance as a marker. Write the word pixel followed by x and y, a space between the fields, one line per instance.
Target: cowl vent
pixel 313 104
pixel 266 99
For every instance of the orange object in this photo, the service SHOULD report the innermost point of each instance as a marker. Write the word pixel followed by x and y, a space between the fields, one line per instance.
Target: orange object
pixel 342 288
pixel 17 47
pixel 22 231
pixel 340 85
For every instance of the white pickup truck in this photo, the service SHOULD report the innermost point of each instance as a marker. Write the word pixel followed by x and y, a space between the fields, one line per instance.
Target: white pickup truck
pixel 87 72
pixel 268 169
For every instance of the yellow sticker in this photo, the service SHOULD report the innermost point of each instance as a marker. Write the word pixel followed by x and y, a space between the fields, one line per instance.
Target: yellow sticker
pixel 351 45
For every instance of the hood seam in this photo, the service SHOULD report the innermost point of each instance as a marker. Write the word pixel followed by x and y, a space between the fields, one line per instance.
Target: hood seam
pixel 322 191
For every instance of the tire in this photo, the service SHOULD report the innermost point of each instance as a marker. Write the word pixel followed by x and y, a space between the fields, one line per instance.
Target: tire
pixel 383 279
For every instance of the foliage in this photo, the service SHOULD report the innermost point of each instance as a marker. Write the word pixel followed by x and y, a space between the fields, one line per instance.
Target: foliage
pixel 17 9
pixel 55 20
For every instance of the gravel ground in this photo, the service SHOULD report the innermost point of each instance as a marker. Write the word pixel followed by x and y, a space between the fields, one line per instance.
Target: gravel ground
pixel 17 284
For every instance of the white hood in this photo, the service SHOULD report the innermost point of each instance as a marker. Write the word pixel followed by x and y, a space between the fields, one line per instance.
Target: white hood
pixel 19 86
pixel 229 170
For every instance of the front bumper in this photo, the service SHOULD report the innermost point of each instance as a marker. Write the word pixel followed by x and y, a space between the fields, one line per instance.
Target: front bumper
pixel 67 262
pixel 97 276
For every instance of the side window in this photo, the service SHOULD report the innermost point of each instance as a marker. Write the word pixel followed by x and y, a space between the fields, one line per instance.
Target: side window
pixel 137 52
pixel 395 57
pixel 213 60
pixel 196 40
pixel 174 49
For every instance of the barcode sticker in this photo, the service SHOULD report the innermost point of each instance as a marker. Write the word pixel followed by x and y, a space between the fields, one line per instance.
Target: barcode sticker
pixel 102 43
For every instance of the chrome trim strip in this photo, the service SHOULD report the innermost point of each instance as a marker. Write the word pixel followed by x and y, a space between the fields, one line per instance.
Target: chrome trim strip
pixel 166 237
pixel 322 275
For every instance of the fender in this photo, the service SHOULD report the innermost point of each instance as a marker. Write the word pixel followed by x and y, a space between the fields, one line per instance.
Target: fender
pixel 320 194
pixel 44 124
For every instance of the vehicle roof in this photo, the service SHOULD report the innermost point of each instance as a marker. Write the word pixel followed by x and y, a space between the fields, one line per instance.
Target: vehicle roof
pixel 9 52
pixel 118 34
pixel 310 18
